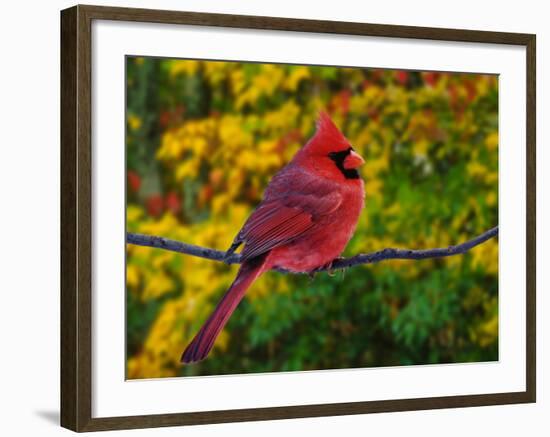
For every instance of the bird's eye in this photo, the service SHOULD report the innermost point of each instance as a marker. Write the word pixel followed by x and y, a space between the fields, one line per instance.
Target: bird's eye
pixel 340 155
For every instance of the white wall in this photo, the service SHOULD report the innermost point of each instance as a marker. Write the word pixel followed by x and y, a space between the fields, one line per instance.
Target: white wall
pixel 29 215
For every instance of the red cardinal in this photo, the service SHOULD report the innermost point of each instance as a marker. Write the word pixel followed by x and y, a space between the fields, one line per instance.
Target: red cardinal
pixel 307 216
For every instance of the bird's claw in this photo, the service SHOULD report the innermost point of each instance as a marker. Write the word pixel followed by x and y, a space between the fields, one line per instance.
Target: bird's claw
pixel 327 267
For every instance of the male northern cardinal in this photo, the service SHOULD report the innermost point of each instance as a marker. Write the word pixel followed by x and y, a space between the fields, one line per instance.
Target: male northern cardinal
pixel 307 216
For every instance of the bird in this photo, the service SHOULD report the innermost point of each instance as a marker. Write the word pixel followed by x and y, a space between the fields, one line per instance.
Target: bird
pixel 308 213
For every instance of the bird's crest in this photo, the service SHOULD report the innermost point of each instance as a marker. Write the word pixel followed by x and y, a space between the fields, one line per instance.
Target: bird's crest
pixel 328 134
pixel 325 124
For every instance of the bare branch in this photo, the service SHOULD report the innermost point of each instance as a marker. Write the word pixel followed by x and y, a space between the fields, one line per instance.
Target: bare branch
pixel 363 258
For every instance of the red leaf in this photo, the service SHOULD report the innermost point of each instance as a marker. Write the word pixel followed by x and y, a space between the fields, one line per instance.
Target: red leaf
pixel 154 205
pixel 134 181
pixel 402 77
pixel 173 202
pixel 431 78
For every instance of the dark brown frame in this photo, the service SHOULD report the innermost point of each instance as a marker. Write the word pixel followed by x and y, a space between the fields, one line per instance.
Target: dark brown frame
pixel 76 219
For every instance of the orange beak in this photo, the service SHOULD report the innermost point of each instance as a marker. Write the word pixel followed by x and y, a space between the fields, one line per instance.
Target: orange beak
pixel 353 160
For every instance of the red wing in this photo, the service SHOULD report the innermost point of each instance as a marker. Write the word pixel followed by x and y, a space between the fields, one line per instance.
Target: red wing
pixel 282 220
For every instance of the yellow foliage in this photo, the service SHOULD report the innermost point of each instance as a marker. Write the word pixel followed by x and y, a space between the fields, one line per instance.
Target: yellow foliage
pixel 134 122
pixel 296 76
pixel 373 188
pixel 156 285
pixel 188 67
pixel 491 142
pixel 132 275
pixel 420 147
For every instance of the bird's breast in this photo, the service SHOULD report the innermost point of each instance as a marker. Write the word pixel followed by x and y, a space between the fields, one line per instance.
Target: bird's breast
pixel 326 241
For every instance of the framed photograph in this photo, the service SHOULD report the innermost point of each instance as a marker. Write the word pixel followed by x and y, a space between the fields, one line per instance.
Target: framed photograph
pixel 283 218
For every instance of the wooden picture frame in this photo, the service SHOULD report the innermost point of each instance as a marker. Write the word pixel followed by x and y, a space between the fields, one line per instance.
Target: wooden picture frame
pixel 76 217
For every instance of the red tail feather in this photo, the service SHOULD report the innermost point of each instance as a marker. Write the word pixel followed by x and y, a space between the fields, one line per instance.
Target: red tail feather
pixel 200 346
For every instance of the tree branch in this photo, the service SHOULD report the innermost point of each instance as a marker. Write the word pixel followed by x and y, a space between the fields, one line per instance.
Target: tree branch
pixel 363 258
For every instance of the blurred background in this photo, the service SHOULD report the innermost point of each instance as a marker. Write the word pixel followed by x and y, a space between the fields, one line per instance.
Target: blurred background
pixel 203 140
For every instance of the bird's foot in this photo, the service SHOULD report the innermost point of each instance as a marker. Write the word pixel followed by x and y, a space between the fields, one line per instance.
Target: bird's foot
pixel 342 269
pixel 327 267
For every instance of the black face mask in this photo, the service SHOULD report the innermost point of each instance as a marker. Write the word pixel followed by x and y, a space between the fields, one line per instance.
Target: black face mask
pixel 338 158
